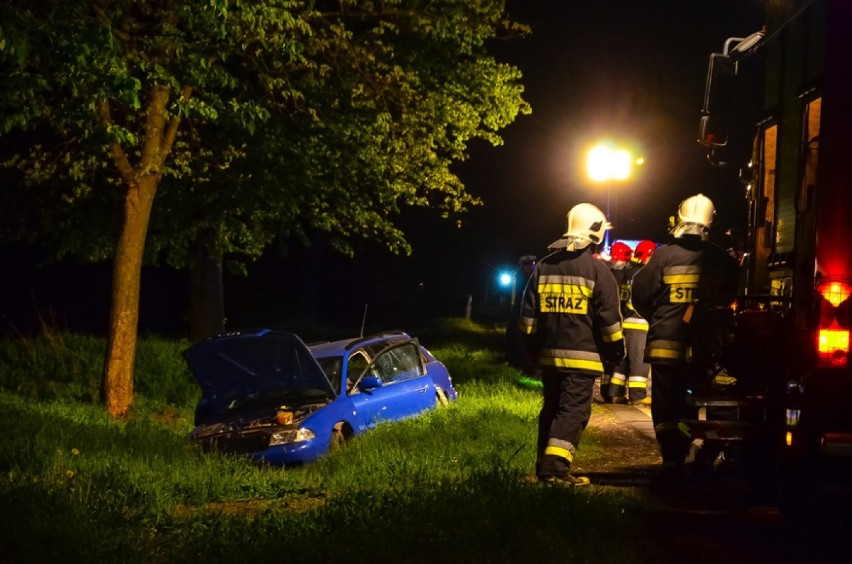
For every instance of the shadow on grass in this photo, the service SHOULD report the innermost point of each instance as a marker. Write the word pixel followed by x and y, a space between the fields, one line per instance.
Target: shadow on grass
pixel 487 517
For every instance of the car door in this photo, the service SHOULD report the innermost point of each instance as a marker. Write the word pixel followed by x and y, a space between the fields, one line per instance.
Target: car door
pixel 405 388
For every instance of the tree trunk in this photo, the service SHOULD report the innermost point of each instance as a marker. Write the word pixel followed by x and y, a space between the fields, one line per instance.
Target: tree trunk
pixel 141 185
pixel 206 298
pixel 117 384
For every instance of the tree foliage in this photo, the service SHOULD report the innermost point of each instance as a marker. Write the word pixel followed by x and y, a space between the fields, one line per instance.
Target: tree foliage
pixel 304 116
pixel 247 119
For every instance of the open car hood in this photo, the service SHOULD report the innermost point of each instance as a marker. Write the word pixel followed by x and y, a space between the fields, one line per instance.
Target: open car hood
pixel 244 368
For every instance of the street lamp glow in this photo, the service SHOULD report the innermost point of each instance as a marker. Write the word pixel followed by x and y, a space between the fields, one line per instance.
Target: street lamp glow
pixel 505 279
pixel 605 163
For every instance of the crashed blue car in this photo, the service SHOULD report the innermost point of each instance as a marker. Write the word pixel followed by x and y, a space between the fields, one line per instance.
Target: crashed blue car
pixel 269 396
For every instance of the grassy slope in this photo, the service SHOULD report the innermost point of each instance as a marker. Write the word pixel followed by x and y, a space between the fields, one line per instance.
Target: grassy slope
pixel 451 485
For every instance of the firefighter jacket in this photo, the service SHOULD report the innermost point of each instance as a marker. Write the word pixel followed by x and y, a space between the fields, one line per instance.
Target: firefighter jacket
pixel 570 313
pixel 680 282
pixel 624 277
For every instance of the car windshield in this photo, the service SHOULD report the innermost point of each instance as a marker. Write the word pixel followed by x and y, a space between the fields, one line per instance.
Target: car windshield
pixel 331 365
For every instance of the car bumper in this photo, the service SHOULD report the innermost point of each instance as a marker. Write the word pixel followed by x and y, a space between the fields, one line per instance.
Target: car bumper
pixel 292 454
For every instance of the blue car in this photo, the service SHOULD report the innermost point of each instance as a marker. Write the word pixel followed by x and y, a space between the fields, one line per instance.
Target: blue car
pixel 269 396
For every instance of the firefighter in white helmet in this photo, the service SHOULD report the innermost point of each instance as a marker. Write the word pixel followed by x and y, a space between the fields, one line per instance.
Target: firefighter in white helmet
pixel 681 286
pixel 571 320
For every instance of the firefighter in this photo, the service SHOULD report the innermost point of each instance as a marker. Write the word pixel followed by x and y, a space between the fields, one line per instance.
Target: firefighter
pixel 675 291
pixel 571 321
pixel 628 382
pixel 643 251
pixel 619 255
pixel 515 355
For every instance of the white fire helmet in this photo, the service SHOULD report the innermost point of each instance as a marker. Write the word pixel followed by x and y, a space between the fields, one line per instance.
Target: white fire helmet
pixel 694 216
pixel 586 225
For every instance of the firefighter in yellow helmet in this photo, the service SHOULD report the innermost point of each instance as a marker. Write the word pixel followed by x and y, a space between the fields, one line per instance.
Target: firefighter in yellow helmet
pixel 682 284
pixel 571 320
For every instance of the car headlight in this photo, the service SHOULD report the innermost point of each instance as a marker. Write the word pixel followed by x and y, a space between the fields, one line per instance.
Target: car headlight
pixel 290 436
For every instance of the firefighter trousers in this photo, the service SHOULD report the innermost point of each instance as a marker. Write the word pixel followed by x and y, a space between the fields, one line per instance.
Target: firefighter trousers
pixel 630 377
pixel 669 409
pixel 564 415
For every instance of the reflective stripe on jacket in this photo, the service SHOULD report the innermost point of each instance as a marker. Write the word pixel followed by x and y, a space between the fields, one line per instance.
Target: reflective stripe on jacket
pixel 570 313
pixel 679 281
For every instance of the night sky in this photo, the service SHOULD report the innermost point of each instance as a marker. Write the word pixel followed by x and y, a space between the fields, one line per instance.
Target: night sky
pixel 631 71
pixel 628 70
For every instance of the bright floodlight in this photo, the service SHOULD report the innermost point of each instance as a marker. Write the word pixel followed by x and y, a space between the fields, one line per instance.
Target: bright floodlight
pixel 505 279
pixel 605 162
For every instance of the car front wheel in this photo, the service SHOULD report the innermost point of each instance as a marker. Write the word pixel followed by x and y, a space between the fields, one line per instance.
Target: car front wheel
pixel 338 437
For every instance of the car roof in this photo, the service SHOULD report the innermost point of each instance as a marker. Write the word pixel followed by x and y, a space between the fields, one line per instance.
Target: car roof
pixel 342 346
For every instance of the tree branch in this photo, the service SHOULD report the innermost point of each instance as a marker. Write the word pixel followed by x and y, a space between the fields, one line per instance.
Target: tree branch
pixel 102 17
pixel 155 124
pixel 174 123
pixel 125 169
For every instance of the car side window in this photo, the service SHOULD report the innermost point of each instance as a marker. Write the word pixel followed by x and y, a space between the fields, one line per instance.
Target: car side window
pixel 399 363
pixel 356 365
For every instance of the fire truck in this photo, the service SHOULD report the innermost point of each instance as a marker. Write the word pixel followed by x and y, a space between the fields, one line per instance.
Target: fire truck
pixel 778 111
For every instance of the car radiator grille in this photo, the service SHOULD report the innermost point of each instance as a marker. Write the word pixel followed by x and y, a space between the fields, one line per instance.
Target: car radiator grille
pixel 243 443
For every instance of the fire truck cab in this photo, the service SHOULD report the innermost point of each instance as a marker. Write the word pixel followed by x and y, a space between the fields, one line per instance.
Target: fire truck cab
pixel 787 365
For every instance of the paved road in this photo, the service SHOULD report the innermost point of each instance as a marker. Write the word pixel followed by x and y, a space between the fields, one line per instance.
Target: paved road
pixel 635 416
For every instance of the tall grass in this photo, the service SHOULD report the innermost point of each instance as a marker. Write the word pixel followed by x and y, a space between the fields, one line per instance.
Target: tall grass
pixel 451 485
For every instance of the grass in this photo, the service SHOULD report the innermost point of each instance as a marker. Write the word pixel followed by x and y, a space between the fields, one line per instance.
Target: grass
pixel 451 485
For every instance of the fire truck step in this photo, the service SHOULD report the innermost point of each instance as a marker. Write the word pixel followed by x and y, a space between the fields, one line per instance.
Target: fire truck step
pixel 724 401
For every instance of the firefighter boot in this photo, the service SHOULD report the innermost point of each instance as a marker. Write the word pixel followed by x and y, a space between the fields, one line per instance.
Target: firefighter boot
pixel 617 388
pixel 555 470
pixel 566 480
